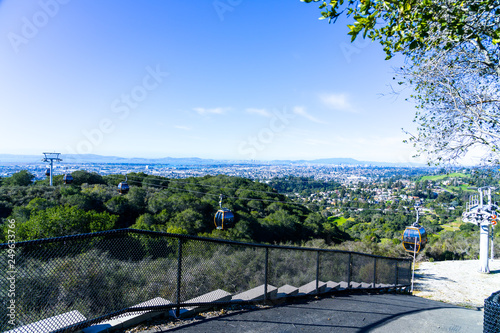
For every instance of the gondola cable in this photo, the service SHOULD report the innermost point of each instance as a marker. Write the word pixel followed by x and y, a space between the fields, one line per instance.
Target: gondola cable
pixel 256 199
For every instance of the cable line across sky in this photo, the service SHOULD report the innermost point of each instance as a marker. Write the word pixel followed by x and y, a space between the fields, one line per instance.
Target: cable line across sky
pixel 132 181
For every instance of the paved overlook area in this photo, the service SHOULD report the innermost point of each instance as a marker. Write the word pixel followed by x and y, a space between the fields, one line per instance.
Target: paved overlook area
pixel 346 313
pixel 440 287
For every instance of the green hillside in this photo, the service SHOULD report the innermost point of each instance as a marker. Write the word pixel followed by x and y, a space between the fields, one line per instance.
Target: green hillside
pixel 186 206
pixel 444 176
pixel 363 218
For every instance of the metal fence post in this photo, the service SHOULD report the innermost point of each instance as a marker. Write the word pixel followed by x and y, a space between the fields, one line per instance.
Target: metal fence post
pixel 409 271
pixel 266 260
pixel 73 245
pixel 397 274
pixel 179 276
pixel 317 272
pixel 349 272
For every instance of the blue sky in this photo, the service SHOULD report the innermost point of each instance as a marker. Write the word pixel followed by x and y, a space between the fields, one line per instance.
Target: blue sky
pixel 228 79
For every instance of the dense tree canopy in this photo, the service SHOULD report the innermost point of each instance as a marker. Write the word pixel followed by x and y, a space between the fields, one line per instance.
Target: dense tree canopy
pixel 21 178
pixel 324 214
pixel 92 203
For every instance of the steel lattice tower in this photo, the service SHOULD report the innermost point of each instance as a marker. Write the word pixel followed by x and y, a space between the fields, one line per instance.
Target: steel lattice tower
pixel 484 216
pixel 50 158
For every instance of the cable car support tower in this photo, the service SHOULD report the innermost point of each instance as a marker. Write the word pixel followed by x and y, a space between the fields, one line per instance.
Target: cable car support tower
pixel 484 216
pixel 50 158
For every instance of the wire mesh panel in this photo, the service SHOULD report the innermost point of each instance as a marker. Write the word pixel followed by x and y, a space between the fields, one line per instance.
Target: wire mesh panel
pixel 404 272
pixel 333 266
pixel 491 321
pixel 80 280
pixel 92 276
pixel 210 266
pixel 362 268
pixel 385 271
pixel 294 267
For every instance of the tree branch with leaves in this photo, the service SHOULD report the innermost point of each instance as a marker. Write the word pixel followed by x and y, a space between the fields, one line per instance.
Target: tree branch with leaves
pixel 452 51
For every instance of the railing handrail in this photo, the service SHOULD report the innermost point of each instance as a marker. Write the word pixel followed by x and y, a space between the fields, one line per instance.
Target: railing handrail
pixel 182 236
pixel 174 246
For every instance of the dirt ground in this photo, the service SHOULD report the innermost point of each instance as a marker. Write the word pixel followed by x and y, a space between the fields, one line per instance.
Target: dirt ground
pixel 457 282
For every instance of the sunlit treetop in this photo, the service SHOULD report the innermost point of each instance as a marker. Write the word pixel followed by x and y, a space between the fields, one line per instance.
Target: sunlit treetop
pixel 403 26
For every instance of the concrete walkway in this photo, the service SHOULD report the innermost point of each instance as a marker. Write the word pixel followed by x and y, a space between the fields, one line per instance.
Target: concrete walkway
pixel 344 313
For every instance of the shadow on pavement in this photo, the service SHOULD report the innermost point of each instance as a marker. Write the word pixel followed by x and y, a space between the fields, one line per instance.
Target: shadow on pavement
pixel 428 276
pixel 345 313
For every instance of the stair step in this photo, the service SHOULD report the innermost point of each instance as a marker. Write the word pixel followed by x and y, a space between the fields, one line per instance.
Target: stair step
pixel 256 293
pixel 355 285
pixel 343 285
pixel 287 291
pixel 331 285
pixel 310 288
pixel 218 295
pixel 130 319
pixel 383 285
pixel 52 323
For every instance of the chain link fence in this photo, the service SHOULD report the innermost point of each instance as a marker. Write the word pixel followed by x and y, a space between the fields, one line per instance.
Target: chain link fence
pixel 69 283
pixel 491 322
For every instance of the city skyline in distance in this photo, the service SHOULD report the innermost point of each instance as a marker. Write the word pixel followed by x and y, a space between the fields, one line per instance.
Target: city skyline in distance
pixel 192 161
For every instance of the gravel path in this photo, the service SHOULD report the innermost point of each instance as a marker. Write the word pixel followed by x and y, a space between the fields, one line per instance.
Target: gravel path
pixel 457 282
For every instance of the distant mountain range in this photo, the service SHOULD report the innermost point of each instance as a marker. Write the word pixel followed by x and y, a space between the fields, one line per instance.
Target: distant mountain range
pixel 92 158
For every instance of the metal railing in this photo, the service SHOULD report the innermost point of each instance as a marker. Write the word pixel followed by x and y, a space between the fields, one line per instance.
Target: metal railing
pixel 86 279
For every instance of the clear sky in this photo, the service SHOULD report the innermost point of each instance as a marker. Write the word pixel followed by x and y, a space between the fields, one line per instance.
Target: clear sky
pixel 225 79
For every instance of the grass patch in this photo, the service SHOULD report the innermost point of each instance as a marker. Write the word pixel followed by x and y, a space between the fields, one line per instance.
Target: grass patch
pixel 449 175
pixel 340 220
pixel 448 227
pixel 462 187
pixel 452 226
